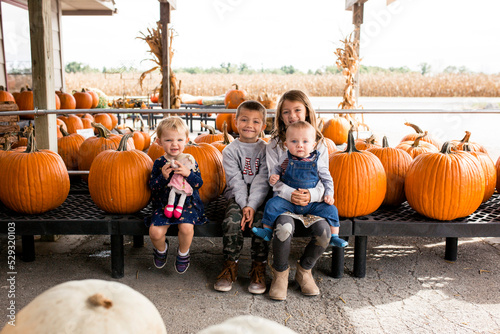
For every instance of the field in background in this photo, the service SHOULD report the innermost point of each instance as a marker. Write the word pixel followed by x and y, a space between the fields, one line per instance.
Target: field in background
pixel 389 85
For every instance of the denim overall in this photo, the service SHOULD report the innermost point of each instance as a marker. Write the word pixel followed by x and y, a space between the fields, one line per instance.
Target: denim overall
pixel 303 175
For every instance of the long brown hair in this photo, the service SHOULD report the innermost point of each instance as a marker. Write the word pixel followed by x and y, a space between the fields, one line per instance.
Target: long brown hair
pixel 279 131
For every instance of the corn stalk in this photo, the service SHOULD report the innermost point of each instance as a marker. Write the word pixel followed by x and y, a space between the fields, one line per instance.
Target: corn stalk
pixel 153 39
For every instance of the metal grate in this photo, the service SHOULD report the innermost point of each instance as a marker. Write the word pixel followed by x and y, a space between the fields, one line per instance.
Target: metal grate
pixel 487 212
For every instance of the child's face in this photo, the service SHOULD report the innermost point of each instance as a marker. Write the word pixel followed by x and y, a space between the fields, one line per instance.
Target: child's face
pixel 173 142
pixel 293 111
pixel 300 142
pixel 249 124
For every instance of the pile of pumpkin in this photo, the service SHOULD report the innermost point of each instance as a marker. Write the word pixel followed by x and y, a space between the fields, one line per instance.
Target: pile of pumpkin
pixel 85 99
pixel 440 182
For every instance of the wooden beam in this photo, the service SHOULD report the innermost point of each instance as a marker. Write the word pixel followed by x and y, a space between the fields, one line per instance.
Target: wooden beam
pixel 350 3
pixel 3 52
pixel 173 3
pixel 42 65
pixel 165 20
pixel 357 20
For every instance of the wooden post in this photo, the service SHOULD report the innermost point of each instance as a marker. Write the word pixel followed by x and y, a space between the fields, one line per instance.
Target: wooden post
pixel 165 20
pixel 357 20
pixel 42 64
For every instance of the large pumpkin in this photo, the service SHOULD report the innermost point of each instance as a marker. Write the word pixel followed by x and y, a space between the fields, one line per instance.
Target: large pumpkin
pixel 445 185
pixel 33 181
pixel 68 146
pixel 337 130
pixel 359 180
pixel 88 307
pixel 489 170
pixel 396 163
pixel 6 96
pixel 219 122
pixel 119 179
pixel 209 161
pixel 234 97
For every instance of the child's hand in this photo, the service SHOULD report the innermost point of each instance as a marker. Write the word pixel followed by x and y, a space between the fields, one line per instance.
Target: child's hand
pixel 181 169
pixel 166 170
pixel 301 197
pixel 248 214
pixel 329 199
pixel 273 179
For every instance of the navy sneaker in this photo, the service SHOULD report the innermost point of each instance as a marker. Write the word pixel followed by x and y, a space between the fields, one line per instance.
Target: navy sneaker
pixel 181 263
pixel 159 259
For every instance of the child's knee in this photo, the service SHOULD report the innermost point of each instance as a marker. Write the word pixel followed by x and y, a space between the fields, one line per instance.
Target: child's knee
pixel 186 228
pixel 156 232
pixel 283 232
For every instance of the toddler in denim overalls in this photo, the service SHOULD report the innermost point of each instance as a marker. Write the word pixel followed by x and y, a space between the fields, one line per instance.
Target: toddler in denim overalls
pixel 299 169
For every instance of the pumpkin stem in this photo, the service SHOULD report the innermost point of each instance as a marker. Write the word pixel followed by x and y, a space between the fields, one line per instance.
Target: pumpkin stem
pixel 225 139
pixel 351 144
pixel 447 147
pixel 416 143
pixel 210 129
pixel 101 130
pixel 385 142
pixel 123 142
pixel 64 132
pixel 466 138
pixel 31 146
pixel 118 130
pixel 131 130
pixel 415 127
pixel 100 300
pixel 236 85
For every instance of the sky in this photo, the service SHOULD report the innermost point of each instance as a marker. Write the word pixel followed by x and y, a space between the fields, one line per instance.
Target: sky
pixel 275 33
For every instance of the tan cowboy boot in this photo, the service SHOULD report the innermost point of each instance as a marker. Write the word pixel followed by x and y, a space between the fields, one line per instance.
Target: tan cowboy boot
pixel 279 285
pixel 306 281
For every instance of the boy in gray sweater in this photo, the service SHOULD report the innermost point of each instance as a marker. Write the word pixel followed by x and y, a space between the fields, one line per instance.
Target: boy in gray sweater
pixel 246 172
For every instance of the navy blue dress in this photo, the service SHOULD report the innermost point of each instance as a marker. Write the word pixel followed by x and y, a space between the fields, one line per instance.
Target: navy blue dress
pixel 193 211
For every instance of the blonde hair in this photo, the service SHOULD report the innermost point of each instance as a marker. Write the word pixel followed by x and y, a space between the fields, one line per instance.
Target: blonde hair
pixel 301 125
pixel 296 95
pixel 172 123
pixel 252 105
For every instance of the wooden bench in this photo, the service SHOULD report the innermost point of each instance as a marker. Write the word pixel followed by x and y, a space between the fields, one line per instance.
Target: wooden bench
pixel 78 215
pixel 406 222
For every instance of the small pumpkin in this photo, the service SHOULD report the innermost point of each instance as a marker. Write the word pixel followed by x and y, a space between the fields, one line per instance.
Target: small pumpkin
pixel 418 133
pixel 211 136
pixel 83 99
pixel 138 139
pixel 234 97
pixel 227 139
pixel 68 146
pixel 337 129
pixel 5 95
pixel 23 190
pixel 119 179
pixel 155 151
pixel 105 120
pixel 466 145
pixel 219 122
pixel 418 146
pixel 67 100
pixel 95 97
pixel 73 123
pixel 396 163
pixel 147 137
pixel 367 143
pixel 445 185
pixel 359 180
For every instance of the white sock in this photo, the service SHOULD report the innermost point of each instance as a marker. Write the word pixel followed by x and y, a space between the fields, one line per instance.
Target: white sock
pixel 183 254
pixel 163 252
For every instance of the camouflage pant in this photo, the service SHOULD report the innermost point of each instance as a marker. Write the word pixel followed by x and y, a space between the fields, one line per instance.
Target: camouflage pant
pixel 233 235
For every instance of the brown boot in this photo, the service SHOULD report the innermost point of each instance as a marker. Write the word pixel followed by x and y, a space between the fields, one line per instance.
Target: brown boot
pixel 306 281
pixel 258 278
pixel 279 285
pixel 227 276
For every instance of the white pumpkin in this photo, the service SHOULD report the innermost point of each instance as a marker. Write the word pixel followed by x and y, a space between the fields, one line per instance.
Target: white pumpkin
pixel 247 324
pixel 88 306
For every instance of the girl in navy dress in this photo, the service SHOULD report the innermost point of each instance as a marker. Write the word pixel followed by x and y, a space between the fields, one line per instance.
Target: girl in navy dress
pixel 173 135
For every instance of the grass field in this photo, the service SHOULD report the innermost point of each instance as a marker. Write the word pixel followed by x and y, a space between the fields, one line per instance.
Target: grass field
pixel 390 85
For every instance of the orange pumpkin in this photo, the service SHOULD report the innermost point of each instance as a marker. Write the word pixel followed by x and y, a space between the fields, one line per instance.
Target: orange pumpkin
pixel 466 145
pixel 25 102
pixel 119 179
pixel 73 123
pixel 95 98
pixel 147 137
pixel 138 139
pixel 114 120
pixel 330 145
pixel 365 144
pixel 337 130
pixel 60 123
pixel 83 99
pixel 396 163
pixel 67 100
pixel 6 96
pixel 211 136
pixel 155 151
pixel 105 120
pixel 359 180
pixel 219 122
pixel 417 147
pixel 209 160
pixel 226 139
pixel 445 185
pixel 489 170
pixel 23 141
pixel 419 132
pixel 234 97
pixel 21 177
pixel 68 147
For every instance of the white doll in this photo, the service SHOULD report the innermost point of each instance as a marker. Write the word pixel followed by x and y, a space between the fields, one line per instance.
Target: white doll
pixel 179 185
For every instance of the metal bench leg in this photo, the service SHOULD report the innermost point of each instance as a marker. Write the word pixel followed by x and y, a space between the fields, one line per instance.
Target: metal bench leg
pixel 117 261
pixel 28 243
pixel 337 262
pixel 450 253
pixel 138 241
pixel 360 244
